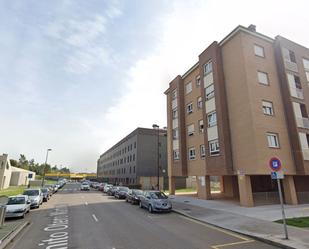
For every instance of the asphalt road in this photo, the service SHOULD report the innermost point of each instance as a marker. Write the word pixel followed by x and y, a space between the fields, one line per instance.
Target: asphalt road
pixel 90 220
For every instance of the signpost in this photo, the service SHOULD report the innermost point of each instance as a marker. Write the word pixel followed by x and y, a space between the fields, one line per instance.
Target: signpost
pixel 275 165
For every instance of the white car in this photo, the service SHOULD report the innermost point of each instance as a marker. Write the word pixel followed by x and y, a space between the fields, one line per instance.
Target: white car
pixel 35 197
pixel 84 186
pixel 17 206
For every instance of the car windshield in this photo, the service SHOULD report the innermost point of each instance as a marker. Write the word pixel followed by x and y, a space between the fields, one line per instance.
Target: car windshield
pixel 16 200
pixel 158 195
pixel 31 192
pixel 84 183
pixel 123 189
pixel 44 190
pixel 138 192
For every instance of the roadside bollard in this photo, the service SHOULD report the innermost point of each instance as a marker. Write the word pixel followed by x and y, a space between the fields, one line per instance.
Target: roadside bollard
pixel 2 214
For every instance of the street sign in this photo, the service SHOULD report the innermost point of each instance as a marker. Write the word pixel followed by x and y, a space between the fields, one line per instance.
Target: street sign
pixel 275 164
pixel 277 175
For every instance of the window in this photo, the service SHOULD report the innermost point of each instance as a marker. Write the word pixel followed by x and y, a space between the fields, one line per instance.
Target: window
pixel 134 169
pixel 212 119
pixel 268 108
pixel 188 87
pixel 133 157
pixel 175 113
pixel 176 154
pixel 191 130
pixel 134 145
pixel 175 134
pixel 190 108
pixel 259 51
pixel 192 153
pixel 273 141
pixel 208 67
pixel 202 150
pixel 288 55
pixel 174 94
pixel 201 126
pixel 263 78
pixel 199 103
pixel 198 80
pixel 307 75
pixel 306 64
pixel 214 148
pixel 209 92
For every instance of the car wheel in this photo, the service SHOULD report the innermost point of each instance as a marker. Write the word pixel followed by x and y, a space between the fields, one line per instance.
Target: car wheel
pixel 150 209
pixel 140 204
pixel 126 200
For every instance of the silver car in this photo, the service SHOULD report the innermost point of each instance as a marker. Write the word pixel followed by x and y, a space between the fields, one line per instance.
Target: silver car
pixel 155 201
pixel 17 206
pixel 35 196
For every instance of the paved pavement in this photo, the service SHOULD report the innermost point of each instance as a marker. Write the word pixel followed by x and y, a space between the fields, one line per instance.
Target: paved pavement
pixel 91 220
pixel 266 230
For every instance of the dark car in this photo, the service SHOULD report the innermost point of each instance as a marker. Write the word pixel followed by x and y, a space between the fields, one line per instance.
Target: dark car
pixel 155 201
pixel 134 195
pixel 46 194
pixel 121 192
pixel 112 191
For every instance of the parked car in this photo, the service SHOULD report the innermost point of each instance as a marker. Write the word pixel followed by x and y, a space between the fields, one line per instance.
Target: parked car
pixel 101 186
pixel 35 196
pixel 17 206
pixel 51 189
pixel 121 192
pixel 134 195
pixel 46 194
pixel 155 201
pixel 84 186
pixel 112 190
pixel 107 187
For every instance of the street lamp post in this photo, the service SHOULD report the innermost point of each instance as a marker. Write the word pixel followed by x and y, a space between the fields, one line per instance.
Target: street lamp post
pixel 155 126
pixel 43 179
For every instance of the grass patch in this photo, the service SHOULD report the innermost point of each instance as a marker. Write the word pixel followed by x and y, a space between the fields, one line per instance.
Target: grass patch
pixel 184 190
pixel 13 190
pixel 297 222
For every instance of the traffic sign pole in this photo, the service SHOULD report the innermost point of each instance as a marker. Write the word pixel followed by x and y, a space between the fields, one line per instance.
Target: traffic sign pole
pixel 282 209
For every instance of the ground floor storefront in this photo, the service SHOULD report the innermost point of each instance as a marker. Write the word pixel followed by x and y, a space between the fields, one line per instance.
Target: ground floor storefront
pixel 250 190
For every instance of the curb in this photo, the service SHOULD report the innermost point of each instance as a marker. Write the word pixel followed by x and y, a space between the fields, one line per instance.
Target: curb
pixel 270 242
pixel 11 236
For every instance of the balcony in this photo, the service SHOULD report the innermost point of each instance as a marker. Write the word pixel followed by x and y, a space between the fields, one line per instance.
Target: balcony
pixel 292 66
pixel 305 152
pixel 302 122
pixel 296 92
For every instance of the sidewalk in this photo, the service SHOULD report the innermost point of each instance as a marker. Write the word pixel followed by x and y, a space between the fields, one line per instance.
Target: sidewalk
pixel 238 219
pixel 9 231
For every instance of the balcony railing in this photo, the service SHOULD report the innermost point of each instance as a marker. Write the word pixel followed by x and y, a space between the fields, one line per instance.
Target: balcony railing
pixel 302 122
pixel 296 92
pixel 305 153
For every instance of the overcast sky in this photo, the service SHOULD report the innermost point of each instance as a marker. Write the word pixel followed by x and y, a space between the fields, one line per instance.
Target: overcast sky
pixel 76 76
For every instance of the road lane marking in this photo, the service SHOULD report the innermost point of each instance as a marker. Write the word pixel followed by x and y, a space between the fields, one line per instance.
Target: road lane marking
pixel 232 244
pixel 86 203
pixel 95 218
pixel 216 228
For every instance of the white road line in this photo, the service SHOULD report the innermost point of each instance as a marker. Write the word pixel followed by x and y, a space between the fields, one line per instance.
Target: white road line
pixel 95 218
pixel 86 203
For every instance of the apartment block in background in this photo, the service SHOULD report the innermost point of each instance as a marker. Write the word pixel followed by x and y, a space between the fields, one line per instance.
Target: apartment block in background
pixel 133 161
pixel 245 101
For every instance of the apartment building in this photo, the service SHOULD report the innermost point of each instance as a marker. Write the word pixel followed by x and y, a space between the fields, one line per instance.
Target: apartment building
pixel 135 159
pixel 244 102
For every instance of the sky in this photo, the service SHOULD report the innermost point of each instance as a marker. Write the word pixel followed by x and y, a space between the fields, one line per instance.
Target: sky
pixel 77 76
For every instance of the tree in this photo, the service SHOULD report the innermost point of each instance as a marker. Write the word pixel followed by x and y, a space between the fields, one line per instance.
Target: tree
pixel 13 163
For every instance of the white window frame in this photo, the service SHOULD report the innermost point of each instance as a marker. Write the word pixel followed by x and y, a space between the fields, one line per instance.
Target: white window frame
pixel 199 103
pixel 190 108
pixel 174 94
pixel 263 78
pixel 268 108
pixel 202 151
pixel 201 123
pixel 176 154
pixel 191 153
pixel 188 87
pixel 198 80
pixel 175 113
pixel 190 130
pixel 211 94
pixel 175 133
pixel 259 50
pixel 214 147
pixel 273 140
pixel 208 67
pixel 212 119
